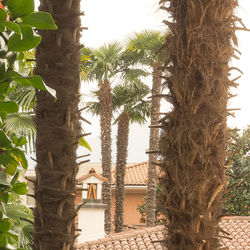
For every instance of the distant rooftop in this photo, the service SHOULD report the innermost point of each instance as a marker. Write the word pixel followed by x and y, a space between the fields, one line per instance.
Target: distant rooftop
pixel 135 174
pixel 237 237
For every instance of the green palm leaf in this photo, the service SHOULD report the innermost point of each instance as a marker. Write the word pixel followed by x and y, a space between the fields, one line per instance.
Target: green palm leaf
pixel 21 125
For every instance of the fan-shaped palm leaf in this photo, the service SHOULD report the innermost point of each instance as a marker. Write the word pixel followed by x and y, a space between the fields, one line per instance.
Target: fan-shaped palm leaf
pixel 101 63
pixel 145 46
pixel 21 125
pixel 22 223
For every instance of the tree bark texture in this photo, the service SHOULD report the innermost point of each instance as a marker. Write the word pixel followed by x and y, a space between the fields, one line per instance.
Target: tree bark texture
pixel 105 99
pixel 58 128
pixel 153 145
pixel 195 134
pixel 121 161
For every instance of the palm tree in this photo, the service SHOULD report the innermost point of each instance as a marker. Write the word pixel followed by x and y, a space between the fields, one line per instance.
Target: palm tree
pixel 145 48
pixel 129 99
pixel 102 65
pixel 193 141
pixel 58 128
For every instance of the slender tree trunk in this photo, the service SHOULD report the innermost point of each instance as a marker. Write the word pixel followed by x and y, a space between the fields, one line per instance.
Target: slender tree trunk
pixel 195 133
pixel 105 99
pixel 121 161
pixel 58 128
pixel 153 145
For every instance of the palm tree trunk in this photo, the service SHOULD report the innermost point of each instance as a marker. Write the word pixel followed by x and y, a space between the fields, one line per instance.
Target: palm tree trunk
pixel 105 99
pixel 121 161
pixel 195 134
pixel 58 128
pixel 153 145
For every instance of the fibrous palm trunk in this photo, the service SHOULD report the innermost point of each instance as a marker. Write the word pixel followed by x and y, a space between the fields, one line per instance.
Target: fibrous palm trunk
pixel 194 133
pixel 121 161
pixel 153 145
pixel 58 128
pixel 105 99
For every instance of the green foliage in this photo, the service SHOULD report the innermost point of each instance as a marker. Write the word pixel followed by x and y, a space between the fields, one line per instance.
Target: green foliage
pixel 144 47
pixel 102 63
pixel 40 20
pixel 239 175
pixel 129 98
pixel 19 8
pixel 24 41
pixel 238 202
pixel 141 208
pixel 16 36
pixel 84 143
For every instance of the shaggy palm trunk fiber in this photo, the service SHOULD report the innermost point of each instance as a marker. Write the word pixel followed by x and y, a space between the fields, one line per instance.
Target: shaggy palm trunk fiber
pixel 58 128
pixel 121 161
pixel 153 145
pixel 105 99
pixel 194 136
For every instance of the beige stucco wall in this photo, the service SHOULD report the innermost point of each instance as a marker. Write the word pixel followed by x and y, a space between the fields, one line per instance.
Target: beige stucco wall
pixel 131 215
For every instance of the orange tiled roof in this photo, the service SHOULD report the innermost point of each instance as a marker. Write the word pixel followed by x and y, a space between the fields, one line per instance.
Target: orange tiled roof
pixel 135 174
pixel 238 229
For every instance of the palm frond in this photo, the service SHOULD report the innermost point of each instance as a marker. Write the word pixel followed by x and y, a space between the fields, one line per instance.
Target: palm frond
pixel 129 97
pixel 21 125
pixel 22 219
pixel 24 96
pixel 103 62
pixel 93 108
pixel 145 46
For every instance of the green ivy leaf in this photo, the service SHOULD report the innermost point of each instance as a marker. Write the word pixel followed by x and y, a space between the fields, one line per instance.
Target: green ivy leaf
pixel 5 225
pixel 3 15
pixel 19 8
pixel 8 107
pixel 4 87
pixel 6 160
pixel 19 141
pixel 11 169
pixel 12 27
pixel 20 157
pixel 41 20
pixel 2 28
pixel 4 140
pixel 36 81
pixel 25 41
pixel 84 143
pixel 5 197
pixel 2 71
pixel 3 239
pixel 17 78
pixel 20 188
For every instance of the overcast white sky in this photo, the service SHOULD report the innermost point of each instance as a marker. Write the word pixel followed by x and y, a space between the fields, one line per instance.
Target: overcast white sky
pixel 115 19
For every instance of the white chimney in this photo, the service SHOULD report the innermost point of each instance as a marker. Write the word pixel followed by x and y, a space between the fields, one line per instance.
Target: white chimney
pixel 91 214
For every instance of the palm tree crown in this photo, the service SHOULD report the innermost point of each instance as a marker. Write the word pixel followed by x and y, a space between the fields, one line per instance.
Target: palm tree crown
pixel 101 63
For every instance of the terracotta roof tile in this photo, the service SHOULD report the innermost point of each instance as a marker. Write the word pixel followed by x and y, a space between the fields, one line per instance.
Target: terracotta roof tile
pixel 135 174
pixel 237 228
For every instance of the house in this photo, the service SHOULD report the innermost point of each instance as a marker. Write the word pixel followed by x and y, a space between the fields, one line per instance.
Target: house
pixel 135 189
pixel 236 236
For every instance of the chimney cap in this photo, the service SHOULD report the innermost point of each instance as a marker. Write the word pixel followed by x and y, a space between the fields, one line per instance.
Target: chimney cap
pixel 92 170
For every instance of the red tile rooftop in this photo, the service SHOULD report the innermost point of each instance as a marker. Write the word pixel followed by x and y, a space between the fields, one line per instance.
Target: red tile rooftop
pixel 135 174
pixel 237 228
